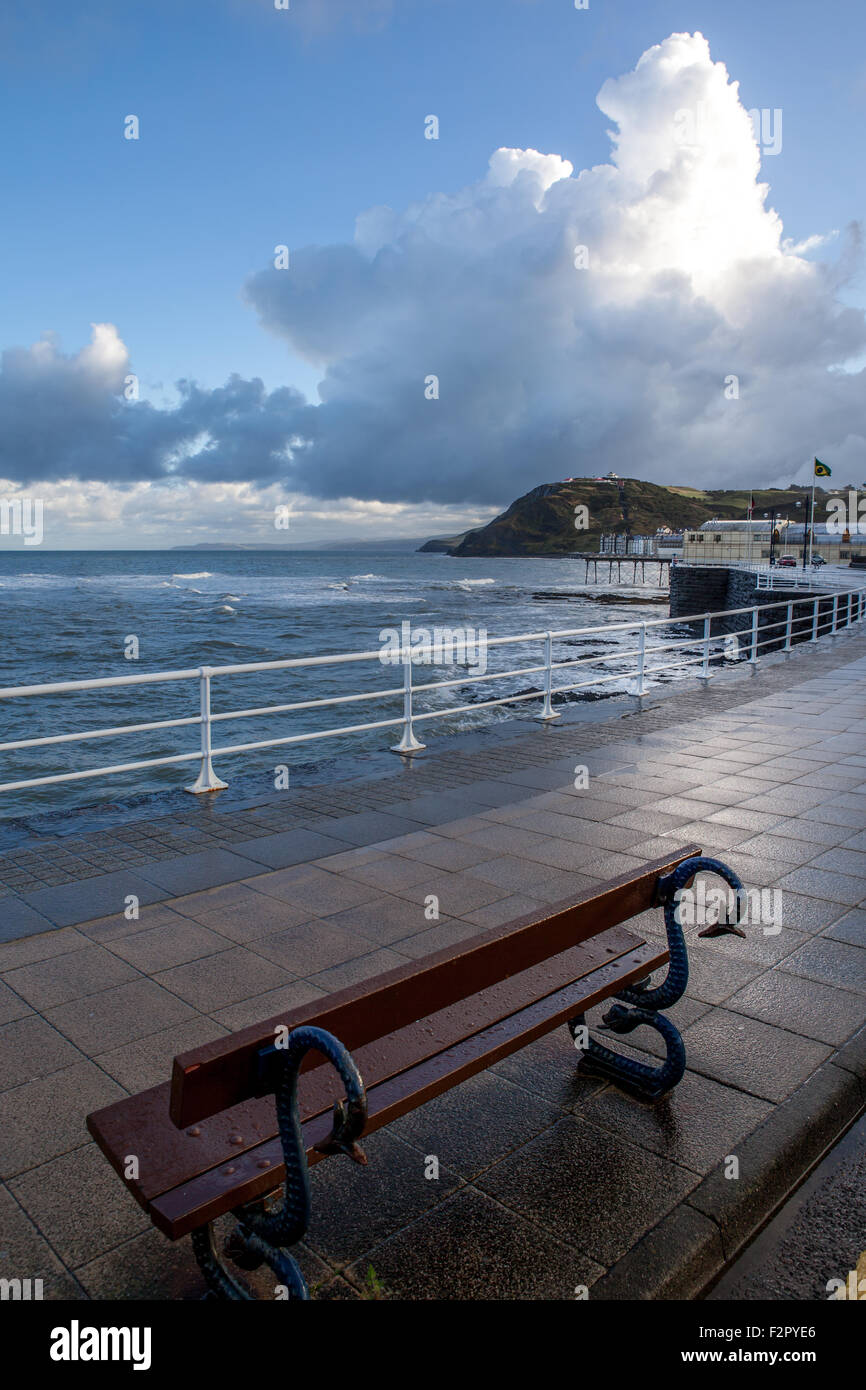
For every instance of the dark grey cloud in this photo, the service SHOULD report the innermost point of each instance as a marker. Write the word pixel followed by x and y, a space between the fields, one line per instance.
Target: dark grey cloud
pixel 67 416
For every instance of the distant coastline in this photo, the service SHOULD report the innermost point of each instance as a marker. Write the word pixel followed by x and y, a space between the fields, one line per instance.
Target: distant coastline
pixel 399 545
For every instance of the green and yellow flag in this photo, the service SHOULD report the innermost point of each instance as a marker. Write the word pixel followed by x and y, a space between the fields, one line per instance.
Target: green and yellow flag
pixel 821 469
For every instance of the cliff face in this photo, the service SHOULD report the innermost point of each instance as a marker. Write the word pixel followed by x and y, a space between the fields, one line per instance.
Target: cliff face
pixel 443 545
pixel 543 521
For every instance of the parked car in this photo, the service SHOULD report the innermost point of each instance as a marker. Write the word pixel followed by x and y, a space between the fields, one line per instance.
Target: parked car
pixel 818 560
pixel 788 562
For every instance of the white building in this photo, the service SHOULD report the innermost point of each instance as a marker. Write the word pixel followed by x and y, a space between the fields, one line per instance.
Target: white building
pixel 741 542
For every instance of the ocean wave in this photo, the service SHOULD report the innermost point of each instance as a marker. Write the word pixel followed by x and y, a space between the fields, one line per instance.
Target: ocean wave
pixel 464 584
pixel 199 574
pixel 226 608
pixel 43 578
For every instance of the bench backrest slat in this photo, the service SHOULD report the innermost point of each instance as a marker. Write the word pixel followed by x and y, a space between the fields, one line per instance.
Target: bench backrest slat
pixel 213 1078
pixel 209 1194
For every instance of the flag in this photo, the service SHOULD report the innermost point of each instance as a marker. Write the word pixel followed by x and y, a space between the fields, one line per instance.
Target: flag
pixel 821 469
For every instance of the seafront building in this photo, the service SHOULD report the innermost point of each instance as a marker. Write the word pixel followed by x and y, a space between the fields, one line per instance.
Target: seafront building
pixel 663 544
pixel 744 542
pixel 737 542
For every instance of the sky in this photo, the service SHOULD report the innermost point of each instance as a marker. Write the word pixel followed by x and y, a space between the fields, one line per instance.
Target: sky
pixel 595 264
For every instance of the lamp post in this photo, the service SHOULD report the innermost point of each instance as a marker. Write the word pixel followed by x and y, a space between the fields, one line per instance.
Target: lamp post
pixel 772 516
pixel 807 540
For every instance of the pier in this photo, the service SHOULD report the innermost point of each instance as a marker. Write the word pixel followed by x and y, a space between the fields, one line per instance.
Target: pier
pixel 628 569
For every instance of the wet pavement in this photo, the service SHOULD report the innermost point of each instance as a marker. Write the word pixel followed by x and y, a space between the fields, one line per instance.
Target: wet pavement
pixel 815 1248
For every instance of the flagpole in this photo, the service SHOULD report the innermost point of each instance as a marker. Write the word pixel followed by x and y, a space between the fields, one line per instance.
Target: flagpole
pixel 812 513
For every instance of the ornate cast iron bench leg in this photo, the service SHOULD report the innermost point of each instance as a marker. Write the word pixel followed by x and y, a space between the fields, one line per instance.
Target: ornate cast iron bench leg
pixel 265 1228
pixel 650 1083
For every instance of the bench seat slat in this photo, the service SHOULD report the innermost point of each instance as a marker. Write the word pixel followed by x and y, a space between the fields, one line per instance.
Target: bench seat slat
pixel 169 1156
pixel 252 1174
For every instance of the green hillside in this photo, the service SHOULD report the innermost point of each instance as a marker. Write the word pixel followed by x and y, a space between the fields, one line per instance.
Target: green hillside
pixel 543 521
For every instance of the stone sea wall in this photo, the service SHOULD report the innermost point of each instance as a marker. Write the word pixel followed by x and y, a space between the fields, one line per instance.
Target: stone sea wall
pixel 715 589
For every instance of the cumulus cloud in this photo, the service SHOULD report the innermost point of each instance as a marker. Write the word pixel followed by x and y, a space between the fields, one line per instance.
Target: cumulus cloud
pixel 551 360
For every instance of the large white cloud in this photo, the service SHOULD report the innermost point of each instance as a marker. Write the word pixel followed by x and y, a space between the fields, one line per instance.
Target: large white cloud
pixel 546 367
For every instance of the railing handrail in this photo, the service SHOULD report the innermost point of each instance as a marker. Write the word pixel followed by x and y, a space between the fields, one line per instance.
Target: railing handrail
pixel 11 692
pixel 838 602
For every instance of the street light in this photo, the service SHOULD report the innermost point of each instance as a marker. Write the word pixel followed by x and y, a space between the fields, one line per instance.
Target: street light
pixel 806 528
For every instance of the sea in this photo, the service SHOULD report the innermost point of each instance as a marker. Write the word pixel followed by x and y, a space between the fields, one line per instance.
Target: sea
pixel 83 615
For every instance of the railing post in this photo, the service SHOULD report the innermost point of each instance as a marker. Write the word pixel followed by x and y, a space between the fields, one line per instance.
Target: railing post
pixel 705 667
pixel 641 661
pixel 547 710
pixel 408 743
pixel 815 620
pixel 753 658
pixel 848 615
pixel 835 618
pixel 207 780
pixel 789 626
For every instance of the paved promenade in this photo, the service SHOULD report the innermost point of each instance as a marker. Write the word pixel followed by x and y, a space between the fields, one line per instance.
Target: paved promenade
pixel 547 1182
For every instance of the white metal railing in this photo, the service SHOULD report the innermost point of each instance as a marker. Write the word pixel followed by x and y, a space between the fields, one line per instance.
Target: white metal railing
pixel 780 576
pixel 825 578
pixel 789 578
pixel 719 562
pixel 821 615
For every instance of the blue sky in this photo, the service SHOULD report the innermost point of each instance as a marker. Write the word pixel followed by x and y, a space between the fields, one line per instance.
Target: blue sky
pixel 261 127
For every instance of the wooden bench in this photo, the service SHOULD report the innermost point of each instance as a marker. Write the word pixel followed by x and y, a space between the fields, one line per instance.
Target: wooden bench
pixel 211 1140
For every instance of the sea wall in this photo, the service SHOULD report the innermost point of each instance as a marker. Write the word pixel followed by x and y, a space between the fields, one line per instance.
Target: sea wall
pixel 715 589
